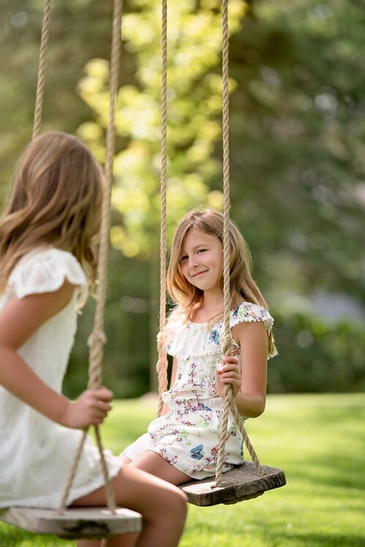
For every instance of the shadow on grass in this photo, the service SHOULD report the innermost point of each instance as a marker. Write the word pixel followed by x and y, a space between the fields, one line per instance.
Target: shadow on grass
pixel 332 455
pixel 10 536
pixel 320 540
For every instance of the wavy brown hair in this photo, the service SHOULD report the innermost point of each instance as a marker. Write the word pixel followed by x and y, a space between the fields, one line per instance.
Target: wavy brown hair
pixel 186 295
pixel 56 200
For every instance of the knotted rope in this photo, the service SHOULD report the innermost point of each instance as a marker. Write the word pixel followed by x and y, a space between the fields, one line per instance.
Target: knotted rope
pixel 226 342
pixel 227 345
pixel 97 338
pixel 161 366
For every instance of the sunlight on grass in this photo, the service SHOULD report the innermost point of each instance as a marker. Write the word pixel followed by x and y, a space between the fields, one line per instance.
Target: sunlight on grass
pixel 318 440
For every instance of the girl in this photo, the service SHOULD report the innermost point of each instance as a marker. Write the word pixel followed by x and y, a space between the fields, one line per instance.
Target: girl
pixel 182 443
pixel 47 257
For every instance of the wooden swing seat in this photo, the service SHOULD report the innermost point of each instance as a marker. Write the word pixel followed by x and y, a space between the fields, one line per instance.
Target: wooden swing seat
pixel 74 523
pixel 239 484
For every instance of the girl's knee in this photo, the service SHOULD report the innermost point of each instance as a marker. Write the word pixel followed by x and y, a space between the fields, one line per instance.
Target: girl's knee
pixel 176 503
pixel 180 496
pixel 183 504
pixel 133 486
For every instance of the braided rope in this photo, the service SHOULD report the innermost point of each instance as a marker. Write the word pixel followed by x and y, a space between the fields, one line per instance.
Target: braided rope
pixel 161 366
pixel 226 339
pixel 97 338
pixel 227 345
pixel 42 68
pixel 241 426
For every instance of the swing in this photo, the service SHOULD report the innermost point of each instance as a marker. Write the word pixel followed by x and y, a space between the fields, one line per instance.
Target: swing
pixel 244 482
pixel 94 522
pixel 251 479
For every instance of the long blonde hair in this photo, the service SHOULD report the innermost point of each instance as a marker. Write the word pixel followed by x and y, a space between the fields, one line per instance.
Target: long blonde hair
pixel 56 200
pixel 186 295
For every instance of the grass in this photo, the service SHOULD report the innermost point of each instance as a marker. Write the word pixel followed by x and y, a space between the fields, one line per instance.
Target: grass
pixel 318 440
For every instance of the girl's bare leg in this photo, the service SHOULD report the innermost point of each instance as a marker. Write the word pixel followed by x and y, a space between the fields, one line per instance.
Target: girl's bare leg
pixel 162 505
pixel 155 465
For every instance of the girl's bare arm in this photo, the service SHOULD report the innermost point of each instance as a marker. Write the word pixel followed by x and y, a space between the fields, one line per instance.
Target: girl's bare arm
pixel 249 385
pixel 19 319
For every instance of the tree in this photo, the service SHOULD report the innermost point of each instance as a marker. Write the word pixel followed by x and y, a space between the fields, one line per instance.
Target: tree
pixel 298 144
pixel 297 149
pixel 73 24
pixel 194 44
pixel 194 109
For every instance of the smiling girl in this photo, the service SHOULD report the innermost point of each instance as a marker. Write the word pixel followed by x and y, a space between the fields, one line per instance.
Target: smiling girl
pixel 182 444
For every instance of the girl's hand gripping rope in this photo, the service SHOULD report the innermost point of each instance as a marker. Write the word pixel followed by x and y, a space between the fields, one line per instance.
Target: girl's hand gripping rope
pixel 91 408
pixel 228 373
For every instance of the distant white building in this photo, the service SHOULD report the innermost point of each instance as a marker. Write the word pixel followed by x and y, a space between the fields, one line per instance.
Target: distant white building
pixel 337 306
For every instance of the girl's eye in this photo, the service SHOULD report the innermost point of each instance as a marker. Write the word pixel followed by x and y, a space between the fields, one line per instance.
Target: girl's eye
pixel 183 258
pixel 201 251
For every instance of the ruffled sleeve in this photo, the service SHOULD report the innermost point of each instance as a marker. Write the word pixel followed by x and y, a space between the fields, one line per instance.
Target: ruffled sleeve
pixel 249 312
pixel 167 335
pixel 44 271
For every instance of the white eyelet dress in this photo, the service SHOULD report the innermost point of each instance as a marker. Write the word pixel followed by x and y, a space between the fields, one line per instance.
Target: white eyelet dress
pixel 36 453
pixel 188 435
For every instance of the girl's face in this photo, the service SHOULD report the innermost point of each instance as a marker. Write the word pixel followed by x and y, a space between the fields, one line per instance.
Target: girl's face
pixel 201 260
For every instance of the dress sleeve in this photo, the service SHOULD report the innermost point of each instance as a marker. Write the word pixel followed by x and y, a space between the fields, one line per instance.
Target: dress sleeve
pixel 248 312
pixel 173 325
pixel 45 271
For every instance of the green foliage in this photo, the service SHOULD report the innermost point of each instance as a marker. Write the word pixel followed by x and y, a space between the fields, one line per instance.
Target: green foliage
pixel 73 23
pixel 126 362
pixel 297 159
pixel 297 137
pixel 318 441
pixel 194 106
pixel 317 356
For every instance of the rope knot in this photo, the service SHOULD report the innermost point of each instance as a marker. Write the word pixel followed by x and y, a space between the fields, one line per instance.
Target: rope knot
pixel 227 343
pixel 97 337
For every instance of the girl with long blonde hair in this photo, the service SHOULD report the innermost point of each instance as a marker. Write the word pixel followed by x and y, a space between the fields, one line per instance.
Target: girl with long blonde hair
pixel 48 258
pixel 182 444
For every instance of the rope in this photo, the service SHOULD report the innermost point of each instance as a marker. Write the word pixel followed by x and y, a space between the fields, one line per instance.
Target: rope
pixel 227 345
pixel 240 424
pixel 42 68
pixel 227 339
pixel 97 338
pixel 161 366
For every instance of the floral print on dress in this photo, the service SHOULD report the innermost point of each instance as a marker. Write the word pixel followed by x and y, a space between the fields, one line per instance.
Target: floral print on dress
pixel 197 452
pixel 188 435
pixel 214 337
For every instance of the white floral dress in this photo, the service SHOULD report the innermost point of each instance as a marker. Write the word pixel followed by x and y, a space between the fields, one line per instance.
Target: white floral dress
pixel 188 435
pixel 36 453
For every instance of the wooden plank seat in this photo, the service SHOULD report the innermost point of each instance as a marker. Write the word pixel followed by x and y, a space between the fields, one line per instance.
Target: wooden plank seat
pixel 74 523
pixel 240 483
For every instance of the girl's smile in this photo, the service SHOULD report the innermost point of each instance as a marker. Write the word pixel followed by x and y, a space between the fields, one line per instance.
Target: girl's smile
pixel 202 260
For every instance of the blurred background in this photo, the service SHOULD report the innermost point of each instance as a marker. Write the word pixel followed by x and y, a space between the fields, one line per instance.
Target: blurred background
pixel 297 143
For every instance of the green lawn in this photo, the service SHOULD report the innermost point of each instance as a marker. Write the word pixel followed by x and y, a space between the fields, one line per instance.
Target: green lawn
pixel 319 441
